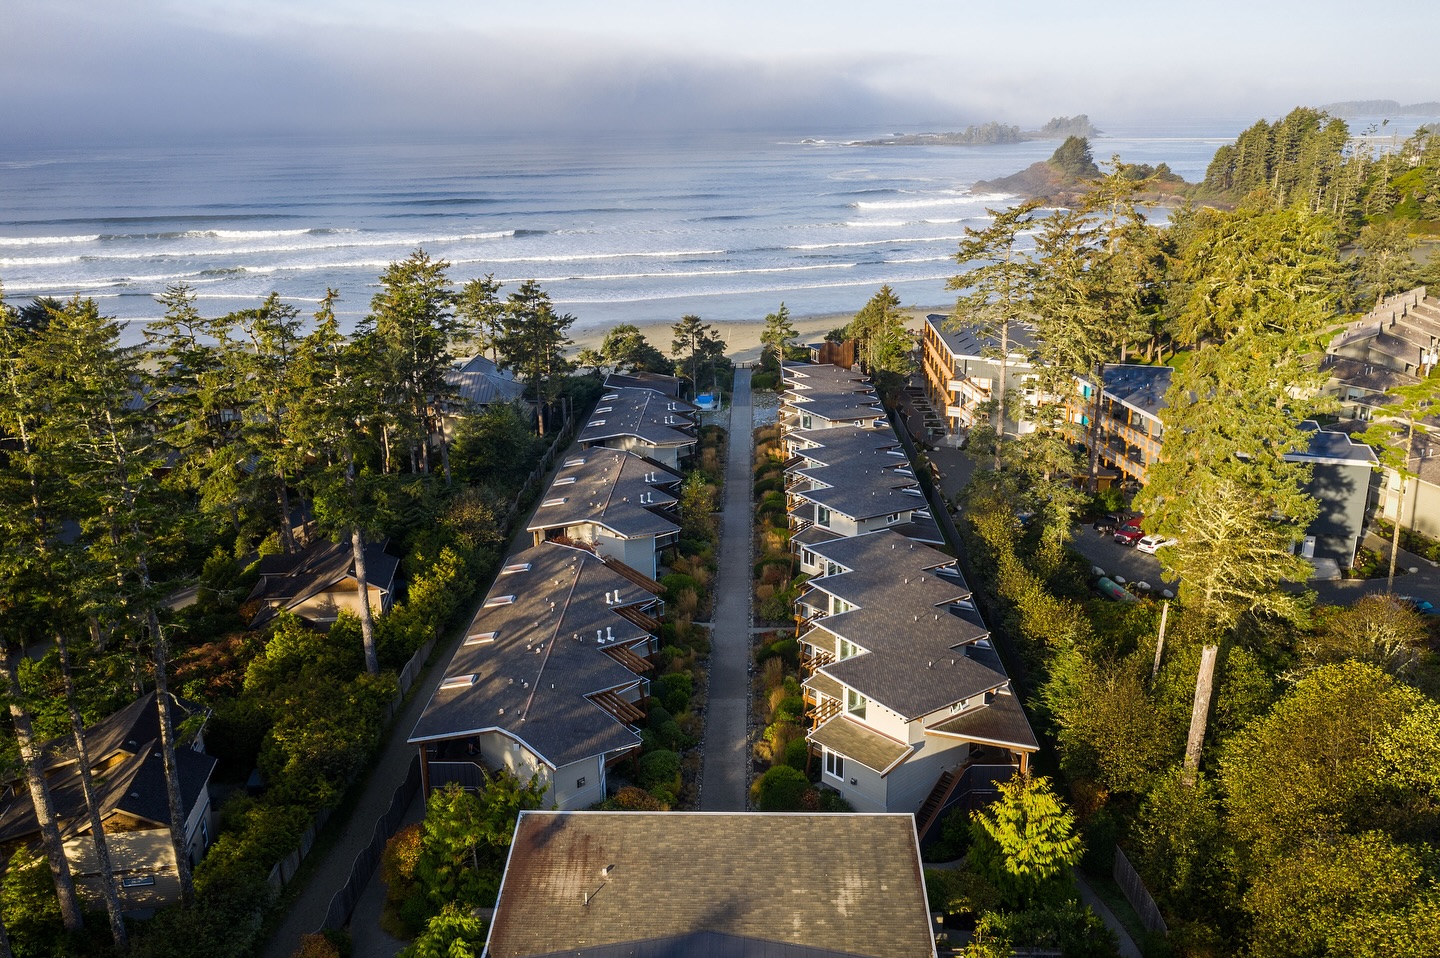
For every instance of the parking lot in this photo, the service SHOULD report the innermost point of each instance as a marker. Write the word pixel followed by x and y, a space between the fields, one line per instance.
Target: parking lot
pixel 1125 561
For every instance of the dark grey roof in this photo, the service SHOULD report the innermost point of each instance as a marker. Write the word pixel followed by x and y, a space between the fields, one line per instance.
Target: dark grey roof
pixel 533 676
pixel 967 342
pixel 813 534
pixel 836 885
pixel 642 413
pixel 1142 387
pixel 659 382
pixel 1362 375
pixel 803 376
pixel 1001 721
pixel 1333 447
pixel 867 494
pixel 878 752
pixel 837 407
pixel 611 488
pixel 917 652
pixel 286 580
pixel 479 382
pixel 134 784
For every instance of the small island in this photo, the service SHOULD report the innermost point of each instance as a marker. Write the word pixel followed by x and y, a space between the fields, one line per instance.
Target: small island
pixel 1069 172
pixel 992 133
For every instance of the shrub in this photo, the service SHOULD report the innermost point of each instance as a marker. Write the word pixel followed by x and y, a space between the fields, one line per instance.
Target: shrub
pixel 687 602
pixel 660 775
pixel 632 799
pixel 674 690
pixel 675 583
pixel 316 946
pixel 782 789
pixel 398 860
pixel 797 754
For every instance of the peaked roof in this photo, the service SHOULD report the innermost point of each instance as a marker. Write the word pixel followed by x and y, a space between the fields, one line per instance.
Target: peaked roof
pixel 479 382
pixel 611 488
pixel 644 414
pixel 535 650
pixel 133 785
pixel 289 579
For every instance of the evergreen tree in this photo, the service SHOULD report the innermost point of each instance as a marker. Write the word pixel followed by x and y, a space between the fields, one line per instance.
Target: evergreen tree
pixel 1025 842
pixel 532 341
pixel 412 325
pixel 776 334
pixel 330 421
pixel 480 313
pixel 1392 432
pixel 879 332
pixel 626 349
pixel 996 292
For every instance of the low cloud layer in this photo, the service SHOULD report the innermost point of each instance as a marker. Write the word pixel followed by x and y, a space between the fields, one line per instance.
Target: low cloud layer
pixel 77 69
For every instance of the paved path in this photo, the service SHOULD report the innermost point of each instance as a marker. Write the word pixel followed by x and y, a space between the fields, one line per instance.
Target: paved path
pixel 722 776
pixel 1128 948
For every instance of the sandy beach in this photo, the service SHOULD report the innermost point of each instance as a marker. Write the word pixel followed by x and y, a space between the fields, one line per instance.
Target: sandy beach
pixel 742 338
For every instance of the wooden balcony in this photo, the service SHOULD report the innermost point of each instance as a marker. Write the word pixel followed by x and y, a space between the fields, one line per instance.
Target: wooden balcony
pixel 822 712
pixel 634 616
pixel 627 657
pixel 811 661
pixel 626 712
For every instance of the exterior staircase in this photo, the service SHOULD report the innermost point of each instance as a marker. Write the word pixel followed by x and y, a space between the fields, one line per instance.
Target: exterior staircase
pixel 930 809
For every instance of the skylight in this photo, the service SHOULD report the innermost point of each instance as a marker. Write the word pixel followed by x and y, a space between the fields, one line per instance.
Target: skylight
pixel 459 681
pixel 481 638
pixel 560 501
pixel 515 567
pixel 567 480
pixel 498 601
pixel 579 461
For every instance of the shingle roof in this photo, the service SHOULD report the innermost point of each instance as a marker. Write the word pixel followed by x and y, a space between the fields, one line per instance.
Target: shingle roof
pixel 659 382
pixel 643 413
pixel 862 743
pixel 289 579
pixel 533 675
pixel 611 488
pixel 833 885
pixel 918 656
pixel 1142 387
pixel 1328 446
pixel 134 785
pixel 1002 721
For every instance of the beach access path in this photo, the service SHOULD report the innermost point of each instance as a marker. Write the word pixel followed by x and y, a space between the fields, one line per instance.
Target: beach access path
pixel 723 786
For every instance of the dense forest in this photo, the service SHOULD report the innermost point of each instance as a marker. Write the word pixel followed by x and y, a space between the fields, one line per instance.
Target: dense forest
pixel 1295 811
pixel 140 486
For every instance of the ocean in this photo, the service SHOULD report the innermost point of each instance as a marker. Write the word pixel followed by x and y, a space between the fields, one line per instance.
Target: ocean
pixel 623 229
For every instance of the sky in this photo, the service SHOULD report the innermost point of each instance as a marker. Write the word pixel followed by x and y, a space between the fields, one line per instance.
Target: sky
pixel 77 70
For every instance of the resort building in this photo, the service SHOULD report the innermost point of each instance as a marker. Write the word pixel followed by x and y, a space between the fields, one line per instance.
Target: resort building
pixel 1130 430
pixel 477 382
pixel 129 778
pixel 824 397
pixel 613 501
pixel 1401 334
pixel 645 422
pixel 847 481
pixel 908 706
pixel 550 679
pixel 672 387
pixel 833 886
pixel 910 709
pixel 319 582
pixel 962 368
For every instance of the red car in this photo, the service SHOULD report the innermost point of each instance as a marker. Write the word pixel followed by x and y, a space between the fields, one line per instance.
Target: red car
pixel 1130 533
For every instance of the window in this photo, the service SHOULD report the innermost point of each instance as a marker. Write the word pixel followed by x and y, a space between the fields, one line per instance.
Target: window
pixel 834 764
pixel 959 706
pixel 597 422
pixel 481 638
pixel 893 517
pixel 137 881
pixel 831 568
pixel 566 481
pixel 204 832
pixel 822 516
pixel 807 557
pixel 604 408
pixel 806 421
pixel 515 567
pixel 459 681
pixel 557 501
pixel 499 600
pixel 847 649
pixel 855 703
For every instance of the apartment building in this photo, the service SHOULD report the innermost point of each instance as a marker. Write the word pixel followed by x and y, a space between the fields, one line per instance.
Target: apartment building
pixel 962 369
pixel 908 706
pixel 644 421
pixel 551 678
pixel 614 501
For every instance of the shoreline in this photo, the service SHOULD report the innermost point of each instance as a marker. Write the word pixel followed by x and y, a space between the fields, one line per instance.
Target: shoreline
pixel 742 337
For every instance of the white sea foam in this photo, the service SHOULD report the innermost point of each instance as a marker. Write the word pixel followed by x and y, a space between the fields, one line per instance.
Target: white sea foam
pixel 46 240
pixel 37 260
pixel 947 199
pixel 687 274
pixel 879 242
pixel 241 234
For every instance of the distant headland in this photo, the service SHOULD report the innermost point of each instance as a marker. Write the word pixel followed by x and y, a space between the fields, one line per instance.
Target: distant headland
pixel 992 133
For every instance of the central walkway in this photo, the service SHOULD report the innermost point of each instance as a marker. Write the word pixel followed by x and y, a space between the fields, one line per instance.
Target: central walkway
pixel 722 776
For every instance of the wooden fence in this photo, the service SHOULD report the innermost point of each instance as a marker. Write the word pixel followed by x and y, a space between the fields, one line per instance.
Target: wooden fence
pixel 1137 894
pixel 342 904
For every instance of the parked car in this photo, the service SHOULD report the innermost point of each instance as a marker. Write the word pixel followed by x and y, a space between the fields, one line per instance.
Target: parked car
pixel 1109 525
pixel 1128 535
pixel 1423 606
pixel 1152 544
